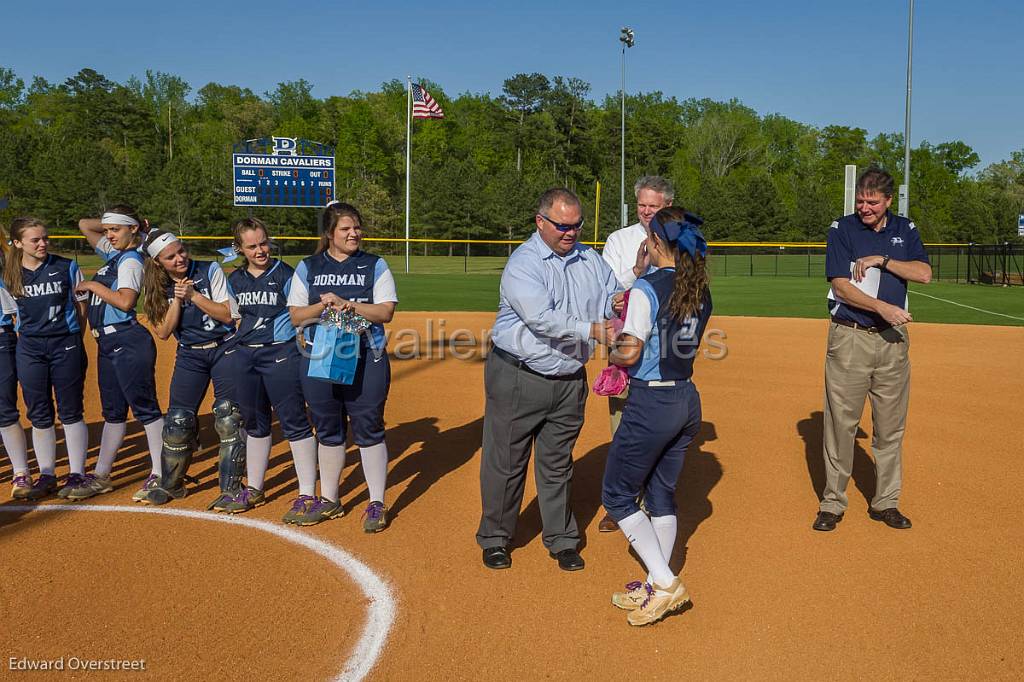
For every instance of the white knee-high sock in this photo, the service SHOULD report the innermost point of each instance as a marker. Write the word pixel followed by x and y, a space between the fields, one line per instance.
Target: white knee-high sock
pixel 332 462
pixel 304 456
pixel 155 441
pixel 375 468
pixel 76 439
pixel 638 530
pixel 257 456
pixel 44 442
pixel 16 447
pixel 110 443
pixel 665 528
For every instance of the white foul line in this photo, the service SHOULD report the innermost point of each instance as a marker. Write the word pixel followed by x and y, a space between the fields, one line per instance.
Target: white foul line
pixel 381 612
pixel 963 305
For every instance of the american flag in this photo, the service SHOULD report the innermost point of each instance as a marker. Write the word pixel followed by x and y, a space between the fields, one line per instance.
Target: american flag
pixel 423 105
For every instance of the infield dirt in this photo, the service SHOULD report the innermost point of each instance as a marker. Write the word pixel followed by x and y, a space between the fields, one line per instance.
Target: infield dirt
pixel 772 598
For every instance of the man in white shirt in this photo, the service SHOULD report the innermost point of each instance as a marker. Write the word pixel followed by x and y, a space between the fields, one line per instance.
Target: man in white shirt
pixel 625 252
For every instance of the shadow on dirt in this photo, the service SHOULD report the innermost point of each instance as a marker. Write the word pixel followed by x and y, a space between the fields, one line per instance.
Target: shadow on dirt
pixel 863 473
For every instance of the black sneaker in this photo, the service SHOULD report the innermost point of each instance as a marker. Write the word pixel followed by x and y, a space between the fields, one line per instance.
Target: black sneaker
pixel 44 486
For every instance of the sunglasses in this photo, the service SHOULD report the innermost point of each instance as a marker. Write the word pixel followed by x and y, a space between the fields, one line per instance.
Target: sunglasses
pixel 563 227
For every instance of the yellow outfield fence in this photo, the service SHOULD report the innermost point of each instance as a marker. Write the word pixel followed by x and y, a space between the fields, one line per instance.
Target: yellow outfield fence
pixel 488 256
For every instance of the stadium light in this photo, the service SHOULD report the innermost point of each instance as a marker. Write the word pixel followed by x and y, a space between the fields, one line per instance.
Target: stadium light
pixel 904 191
pixel 626 37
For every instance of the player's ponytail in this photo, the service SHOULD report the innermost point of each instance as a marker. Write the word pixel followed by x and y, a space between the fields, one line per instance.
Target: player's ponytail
pixel 680 233
pixel 155 281
pixel 244 225
pixel 334 212
pixel 12 259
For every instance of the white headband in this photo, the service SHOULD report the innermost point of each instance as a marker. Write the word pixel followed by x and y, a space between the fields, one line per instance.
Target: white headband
pixel 160 243
pixel 118 219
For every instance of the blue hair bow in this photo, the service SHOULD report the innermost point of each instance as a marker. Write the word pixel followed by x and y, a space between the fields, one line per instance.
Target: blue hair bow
pixel 229 253
pixel 686 234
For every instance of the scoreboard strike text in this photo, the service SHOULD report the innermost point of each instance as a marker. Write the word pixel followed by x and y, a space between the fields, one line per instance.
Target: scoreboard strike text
pixel 265 180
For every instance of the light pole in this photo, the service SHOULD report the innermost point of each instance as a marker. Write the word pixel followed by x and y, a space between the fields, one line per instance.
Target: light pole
pixel 626 38
pixel 904 203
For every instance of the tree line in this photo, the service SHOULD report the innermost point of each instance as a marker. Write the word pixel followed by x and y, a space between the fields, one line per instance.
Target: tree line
pixel 70 149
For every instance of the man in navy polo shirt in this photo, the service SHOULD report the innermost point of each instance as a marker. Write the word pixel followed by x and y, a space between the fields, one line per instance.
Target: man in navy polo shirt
pixel 871 255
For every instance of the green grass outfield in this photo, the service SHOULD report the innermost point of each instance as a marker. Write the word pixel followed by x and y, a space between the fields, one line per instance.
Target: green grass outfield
pixel 748 296
pixel 439 283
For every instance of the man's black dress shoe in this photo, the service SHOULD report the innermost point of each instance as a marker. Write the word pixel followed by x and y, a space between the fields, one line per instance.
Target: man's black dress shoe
pixel 826 521
pixel 891 517
pixel 568 560
pixel 497 557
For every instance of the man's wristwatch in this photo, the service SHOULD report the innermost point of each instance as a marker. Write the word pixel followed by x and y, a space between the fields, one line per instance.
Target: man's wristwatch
pixel 885 263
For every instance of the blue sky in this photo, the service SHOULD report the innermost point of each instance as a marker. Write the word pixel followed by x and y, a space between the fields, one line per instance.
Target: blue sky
pixel 819 62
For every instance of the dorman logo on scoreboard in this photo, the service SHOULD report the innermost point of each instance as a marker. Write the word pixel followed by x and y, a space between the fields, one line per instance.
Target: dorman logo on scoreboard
pixel 284 146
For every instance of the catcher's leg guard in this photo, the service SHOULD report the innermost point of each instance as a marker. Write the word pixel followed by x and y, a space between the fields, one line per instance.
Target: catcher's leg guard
pixel 231 465
pixel 181 437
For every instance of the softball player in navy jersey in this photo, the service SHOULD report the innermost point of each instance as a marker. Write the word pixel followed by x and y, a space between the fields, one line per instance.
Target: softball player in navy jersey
pixel 125 349
pixel 342 276
pixel 191 300
pixel 50 356
pixel 12 434
pixel 265 365
pixel 665 320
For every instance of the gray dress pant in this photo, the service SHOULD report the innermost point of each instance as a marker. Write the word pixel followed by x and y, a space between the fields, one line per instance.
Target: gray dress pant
pixel 524 410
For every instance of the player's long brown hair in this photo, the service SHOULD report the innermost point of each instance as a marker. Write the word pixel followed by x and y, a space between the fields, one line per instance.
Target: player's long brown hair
pixel 332 214
pixel 12 260
pixel 691 282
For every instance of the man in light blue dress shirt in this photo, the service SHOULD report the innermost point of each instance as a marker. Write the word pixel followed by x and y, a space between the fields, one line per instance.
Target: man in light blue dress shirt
pixel 556 298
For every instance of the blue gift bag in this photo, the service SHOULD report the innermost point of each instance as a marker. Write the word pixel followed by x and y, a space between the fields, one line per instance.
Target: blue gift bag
pixel 335 355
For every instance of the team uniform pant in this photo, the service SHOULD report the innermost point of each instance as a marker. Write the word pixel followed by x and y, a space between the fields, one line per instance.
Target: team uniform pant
pixel 126 362
pixel 8 379
pixel 194 369
pixel 525 411
pixel 48 366
pixel 647 451
pixel 361 404
pixel 265 376
pixel 859 365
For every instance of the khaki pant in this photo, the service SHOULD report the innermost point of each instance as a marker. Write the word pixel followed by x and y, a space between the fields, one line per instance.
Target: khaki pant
pixel 859 365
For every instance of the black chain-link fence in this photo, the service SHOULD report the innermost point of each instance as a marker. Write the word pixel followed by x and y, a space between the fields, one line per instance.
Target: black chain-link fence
pixel 1001 264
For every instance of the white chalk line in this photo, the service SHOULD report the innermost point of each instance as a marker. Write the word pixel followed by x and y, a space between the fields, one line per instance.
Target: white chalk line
pixel 380 614
pixel 964 305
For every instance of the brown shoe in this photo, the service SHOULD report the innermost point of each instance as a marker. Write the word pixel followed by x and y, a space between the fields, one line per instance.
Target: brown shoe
pixel 607 524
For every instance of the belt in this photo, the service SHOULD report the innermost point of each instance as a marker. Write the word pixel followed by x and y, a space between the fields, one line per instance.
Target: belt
pixel 266 345
pixel 111 328
pixel 658 383
pixel 513 360
pixel 860 327
pixel 206 346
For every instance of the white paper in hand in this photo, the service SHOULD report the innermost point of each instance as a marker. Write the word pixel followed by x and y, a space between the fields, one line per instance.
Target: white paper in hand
pixel 869 284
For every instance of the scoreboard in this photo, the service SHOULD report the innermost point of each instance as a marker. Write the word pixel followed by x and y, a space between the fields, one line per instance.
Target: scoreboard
pixel 280 180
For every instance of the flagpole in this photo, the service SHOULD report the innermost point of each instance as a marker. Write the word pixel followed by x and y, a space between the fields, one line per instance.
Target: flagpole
pixel 408 155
